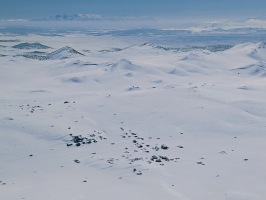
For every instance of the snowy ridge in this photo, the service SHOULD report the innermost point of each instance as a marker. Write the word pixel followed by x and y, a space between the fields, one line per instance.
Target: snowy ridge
pixel 212 48
pixel 252 50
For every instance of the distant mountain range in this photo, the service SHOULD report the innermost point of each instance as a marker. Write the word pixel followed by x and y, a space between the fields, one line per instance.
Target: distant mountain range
pixel 89 17
pixel 262 18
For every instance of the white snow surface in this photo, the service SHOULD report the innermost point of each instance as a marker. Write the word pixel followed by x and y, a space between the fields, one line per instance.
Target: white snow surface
pixel 202 114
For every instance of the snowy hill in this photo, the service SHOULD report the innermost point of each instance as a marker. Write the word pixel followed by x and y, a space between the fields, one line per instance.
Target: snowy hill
pixel 134 122
pixel 27 45
pixel 62 53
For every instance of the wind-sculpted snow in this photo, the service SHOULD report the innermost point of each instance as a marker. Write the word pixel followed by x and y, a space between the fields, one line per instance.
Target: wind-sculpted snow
pixel 254 69
pixel 131 120
pixel 127 66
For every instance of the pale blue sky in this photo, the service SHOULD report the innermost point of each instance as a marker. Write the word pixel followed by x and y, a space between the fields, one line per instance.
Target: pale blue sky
pixel 168 8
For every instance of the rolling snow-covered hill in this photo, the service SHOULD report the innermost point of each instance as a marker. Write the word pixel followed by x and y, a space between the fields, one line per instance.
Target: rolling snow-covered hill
pixel 107 118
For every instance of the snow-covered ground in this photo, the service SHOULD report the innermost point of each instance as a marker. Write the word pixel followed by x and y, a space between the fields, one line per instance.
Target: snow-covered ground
pixel 103 117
